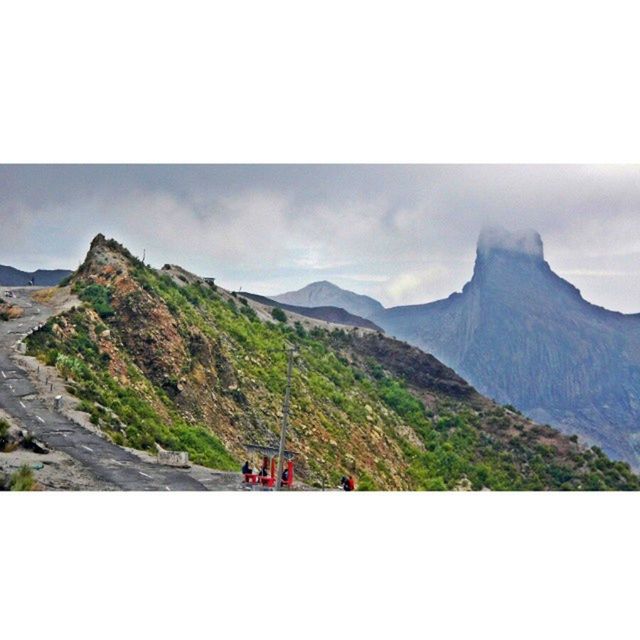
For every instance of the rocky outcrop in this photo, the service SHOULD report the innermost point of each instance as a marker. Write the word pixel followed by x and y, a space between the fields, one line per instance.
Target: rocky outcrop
pixel 524 336
pixel 421 370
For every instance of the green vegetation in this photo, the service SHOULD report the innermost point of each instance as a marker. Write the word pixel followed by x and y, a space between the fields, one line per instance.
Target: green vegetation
pixel 278 314
pixel 126 413
pixel 98 297
pixel 23 480
pixel 342 408
pixel 366 483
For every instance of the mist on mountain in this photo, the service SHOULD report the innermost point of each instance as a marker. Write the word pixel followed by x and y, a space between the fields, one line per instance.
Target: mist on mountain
pixel 523 335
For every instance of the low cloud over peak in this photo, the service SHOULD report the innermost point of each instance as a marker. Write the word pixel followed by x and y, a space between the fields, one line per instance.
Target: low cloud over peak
pixel 526 241
pixel 405 233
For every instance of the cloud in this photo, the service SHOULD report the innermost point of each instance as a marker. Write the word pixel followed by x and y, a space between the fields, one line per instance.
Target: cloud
pixel 403 284
pixel 597 273
pixel 527 242
pixel 416 284
pixel 412 230
pixel 366 277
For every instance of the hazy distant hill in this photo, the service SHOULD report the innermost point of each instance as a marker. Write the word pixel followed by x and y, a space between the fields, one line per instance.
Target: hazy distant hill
pixel 523 335
pixel 321 294
pixel 328 314
pixel 11 277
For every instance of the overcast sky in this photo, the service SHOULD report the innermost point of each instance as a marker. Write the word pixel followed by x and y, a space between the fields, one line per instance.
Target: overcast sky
pixel 402 234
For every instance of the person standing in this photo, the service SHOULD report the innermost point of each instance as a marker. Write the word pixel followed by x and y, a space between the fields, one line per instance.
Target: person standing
pixel 347 483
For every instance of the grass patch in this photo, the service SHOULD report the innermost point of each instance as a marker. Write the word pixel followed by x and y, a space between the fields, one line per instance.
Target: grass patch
pixel 44 295
pixel 98 297
pixel 23 480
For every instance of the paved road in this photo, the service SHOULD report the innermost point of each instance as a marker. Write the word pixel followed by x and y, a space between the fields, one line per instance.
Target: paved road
pixel 101 457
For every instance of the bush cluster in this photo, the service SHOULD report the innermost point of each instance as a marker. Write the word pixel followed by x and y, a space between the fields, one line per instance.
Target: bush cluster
pixel 99 298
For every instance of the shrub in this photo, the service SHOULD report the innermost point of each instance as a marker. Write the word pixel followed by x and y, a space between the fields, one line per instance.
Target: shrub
pixel 99 298
pixel 22 480
pixel 365 483
pixel 249 312
pixel 51 357
pixel 278 314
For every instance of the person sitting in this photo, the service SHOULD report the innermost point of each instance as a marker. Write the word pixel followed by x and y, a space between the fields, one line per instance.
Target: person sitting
pixel 246 468
pixel 264 472
pixel 285 478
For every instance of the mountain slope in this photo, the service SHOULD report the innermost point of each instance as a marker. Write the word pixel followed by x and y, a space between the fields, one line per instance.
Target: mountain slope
pixel 525 336
pixel 165 358
pixel 11 277
pixel 327 294
pixel 327 314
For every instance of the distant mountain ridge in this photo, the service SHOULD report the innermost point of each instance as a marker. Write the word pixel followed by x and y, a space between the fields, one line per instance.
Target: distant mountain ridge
pixel 324 293
pixel 12 277
pixel 525 336
pixel 335 315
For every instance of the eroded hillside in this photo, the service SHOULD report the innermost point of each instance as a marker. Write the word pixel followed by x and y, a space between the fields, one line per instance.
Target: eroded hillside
pixel 166 358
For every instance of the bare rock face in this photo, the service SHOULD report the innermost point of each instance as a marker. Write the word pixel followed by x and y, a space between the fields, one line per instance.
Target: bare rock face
pixel 523 335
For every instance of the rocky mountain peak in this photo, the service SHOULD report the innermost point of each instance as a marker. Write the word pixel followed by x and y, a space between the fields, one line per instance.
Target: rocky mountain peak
pixel 97 241
pixel 513 261
pixel 106 254
pixel 525 336
pixel 325 293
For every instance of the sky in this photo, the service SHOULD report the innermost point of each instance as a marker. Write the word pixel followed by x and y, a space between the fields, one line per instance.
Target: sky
pixel 403 234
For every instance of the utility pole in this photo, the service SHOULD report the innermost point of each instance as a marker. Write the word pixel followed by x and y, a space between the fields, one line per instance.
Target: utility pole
pixel 285 417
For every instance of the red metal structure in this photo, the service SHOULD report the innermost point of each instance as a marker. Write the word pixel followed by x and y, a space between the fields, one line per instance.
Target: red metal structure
pixel 266 477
